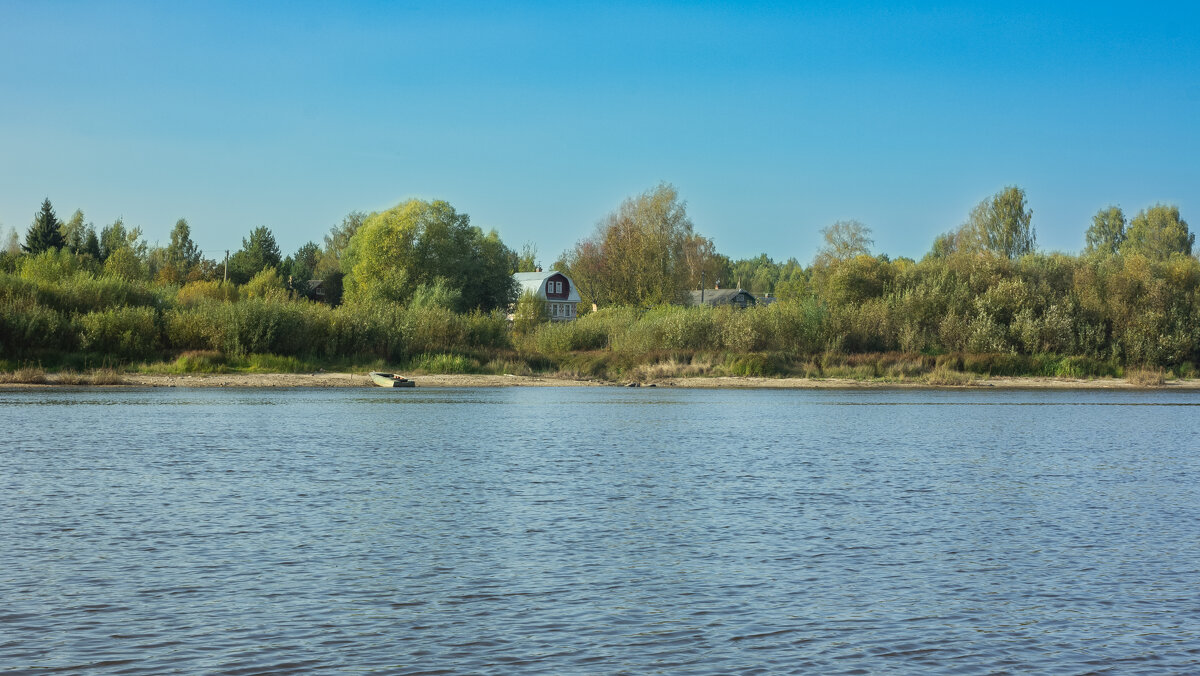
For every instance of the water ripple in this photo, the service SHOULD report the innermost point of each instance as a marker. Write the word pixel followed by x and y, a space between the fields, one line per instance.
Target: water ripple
pixel 594 530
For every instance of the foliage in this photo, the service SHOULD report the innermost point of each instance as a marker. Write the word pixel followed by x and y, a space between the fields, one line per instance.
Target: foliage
pixel 1000 225
pixel 338 241
pixel 193 293
pixel 259 252
pixel 982 303
pixel 436 295
pixel 115 236
pixel 643 254
pixel 302 266
pixel 182 253
pixel 74 232
pixel 527 258
pixel 419 243
pixel 267 284
pixel 123 331
pixel 1158 233
pixel 125 264
pixel 50 265
pixel 530 313
pixel 1107 233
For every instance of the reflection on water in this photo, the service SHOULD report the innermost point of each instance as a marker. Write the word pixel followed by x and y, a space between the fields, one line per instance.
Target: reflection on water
pixel 598 530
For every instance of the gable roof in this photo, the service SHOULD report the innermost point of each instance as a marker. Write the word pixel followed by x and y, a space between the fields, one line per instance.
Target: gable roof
pixel 535 282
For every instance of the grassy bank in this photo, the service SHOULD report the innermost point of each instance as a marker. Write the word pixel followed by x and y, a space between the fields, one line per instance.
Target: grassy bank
pixel 604 365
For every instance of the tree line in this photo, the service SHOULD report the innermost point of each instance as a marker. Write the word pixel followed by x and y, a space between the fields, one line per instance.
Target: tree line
pixel 1131 296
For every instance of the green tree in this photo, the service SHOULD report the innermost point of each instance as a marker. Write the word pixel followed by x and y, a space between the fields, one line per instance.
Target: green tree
pixel 1157 233
pixel 74 231
pixel 182 252
pixel 304 262
pixel 125 264
pixel 338 240
pixel 1107 233
pixel 527 259
pixel 115 237
pixel 44 233
pixel 418 243
pixel 258 252
pixel 1001 225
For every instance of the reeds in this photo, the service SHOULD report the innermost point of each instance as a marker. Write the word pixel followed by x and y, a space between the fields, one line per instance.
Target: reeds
pixel 1145 377
pixel 25 375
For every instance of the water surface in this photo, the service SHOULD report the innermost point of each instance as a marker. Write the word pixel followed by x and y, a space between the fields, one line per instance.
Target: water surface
pixel 609 530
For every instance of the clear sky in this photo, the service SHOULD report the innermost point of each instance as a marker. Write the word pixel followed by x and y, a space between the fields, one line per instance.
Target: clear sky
pixel 772 119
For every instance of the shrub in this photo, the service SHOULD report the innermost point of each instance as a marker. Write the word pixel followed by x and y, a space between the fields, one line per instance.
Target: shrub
pixel 194 293
pixel 267 285
pixel 124 331
pixel 50 266
pixel 26 326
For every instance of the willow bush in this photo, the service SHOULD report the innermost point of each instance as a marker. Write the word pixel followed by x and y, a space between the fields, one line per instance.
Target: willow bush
pixel 122 331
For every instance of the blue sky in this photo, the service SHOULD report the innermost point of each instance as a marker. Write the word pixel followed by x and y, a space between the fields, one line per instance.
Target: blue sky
pixel 772 119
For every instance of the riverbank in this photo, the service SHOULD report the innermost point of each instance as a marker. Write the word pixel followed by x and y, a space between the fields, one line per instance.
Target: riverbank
pixel 330 380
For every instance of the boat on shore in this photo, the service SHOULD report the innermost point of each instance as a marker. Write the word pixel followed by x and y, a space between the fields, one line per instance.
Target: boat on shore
pixel 390 380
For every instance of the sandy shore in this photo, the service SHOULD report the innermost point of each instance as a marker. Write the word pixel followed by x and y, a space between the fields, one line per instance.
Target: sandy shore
pixel 323 379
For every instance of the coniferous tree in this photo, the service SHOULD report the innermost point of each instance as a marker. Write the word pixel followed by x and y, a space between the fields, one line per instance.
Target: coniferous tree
pixel 91 243
pixel 44 233
pixel 258 252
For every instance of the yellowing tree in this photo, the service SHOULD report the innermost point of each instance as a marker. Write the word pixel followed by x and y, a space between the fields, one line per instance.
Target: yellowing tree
pixel 645 253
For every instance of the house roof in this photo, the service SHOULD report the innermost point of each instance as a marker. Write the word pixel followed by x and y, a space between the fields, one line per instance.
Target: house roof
pixel 720 296
pixel 535 282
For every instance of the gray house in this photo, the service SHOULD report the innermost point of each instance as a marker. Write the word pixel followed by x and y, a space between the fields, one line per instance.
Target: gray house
pixel 714 297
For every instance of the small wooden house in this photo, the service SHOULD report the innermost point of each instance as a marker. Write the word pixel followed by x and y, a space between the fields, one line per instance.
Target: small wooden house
pixel 713 297
pixel 553 287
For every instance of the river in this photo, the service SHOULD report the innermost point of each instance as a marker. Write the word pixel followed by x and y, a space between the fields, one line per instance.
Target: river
pixel 599 530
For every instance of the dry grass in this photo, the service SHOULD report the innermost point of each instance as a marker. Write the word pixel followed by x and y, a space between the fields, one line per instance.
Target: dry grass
pixel 1146 377
pixel 26 375
pixel 101 376
pixel 945 377
pixel 672 368
pixel 36 375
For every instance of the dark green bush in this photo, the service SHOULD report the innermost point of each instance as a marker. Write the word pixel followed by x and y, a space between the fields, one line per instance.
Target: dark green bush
pixel 123 331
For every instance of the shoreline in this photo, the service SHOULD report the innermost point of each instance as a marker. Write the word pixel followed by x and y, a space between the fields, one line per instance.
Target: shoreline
pixel 339 380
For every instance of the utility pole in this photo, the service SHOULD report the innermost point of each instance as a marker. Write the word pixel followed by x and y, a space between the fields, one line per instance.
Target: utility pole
pixel 226 275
